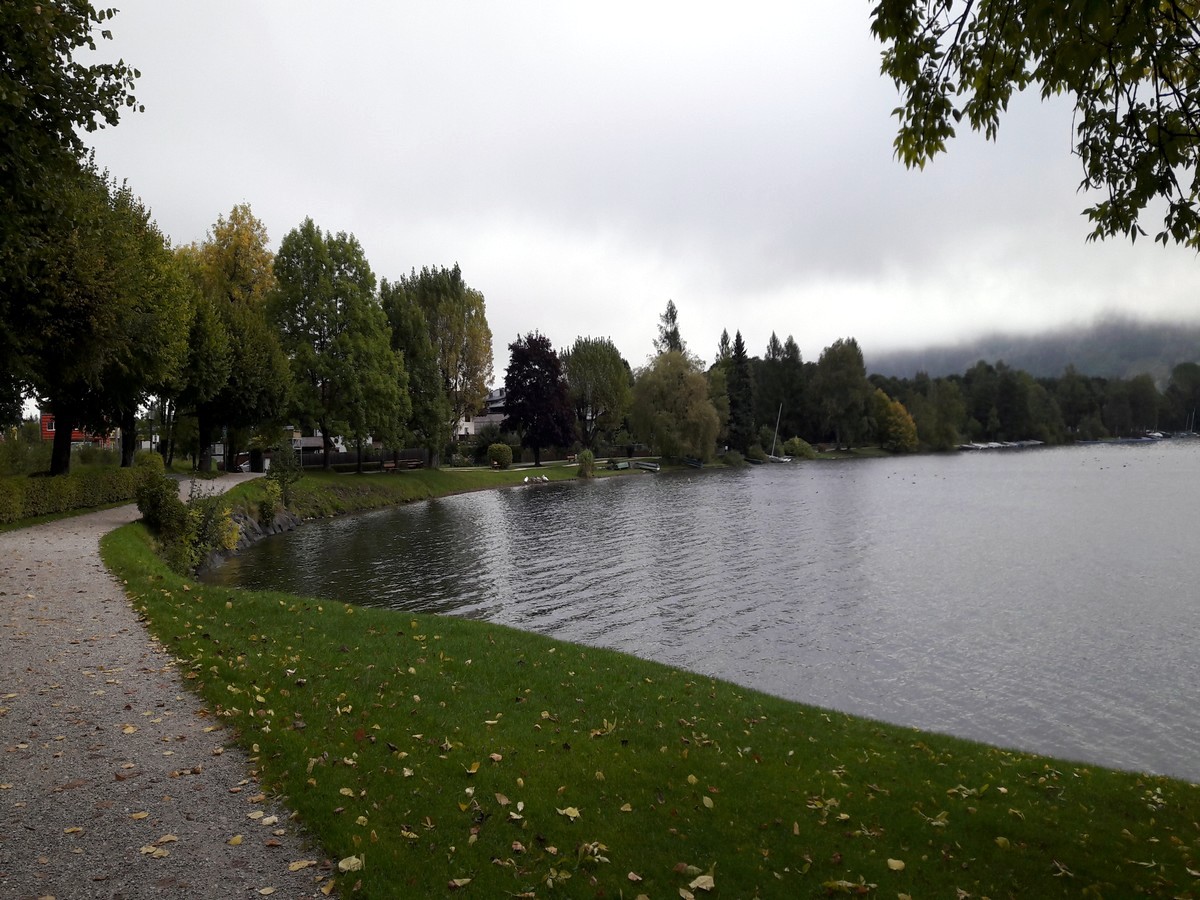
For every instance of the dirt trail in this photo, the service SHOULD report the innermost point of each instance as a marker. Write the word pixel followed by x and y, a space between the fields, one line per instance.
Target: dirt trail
pixel 114 782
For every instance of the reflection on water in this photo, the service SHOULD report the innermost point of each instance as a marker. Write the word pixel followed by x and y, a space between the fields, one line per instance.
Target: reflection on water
pixel 1043 599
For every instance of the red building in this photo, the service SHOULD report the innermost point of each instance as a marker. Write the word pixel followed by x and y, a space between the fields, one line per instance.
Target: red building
pixel 77 437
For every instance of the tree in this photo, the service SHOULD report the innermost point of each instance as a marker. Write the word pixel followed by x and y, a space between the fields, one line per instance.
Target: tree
pixel 536 402
pixel 843 389
pixel 410 336
pixel 1183 395
pixel 894 427
pixel 668 331
pixel 461 338
pixel 671 410
pixel 598 380
pixel 47 98
pixel 741 398
pixel 158 309
pixel 235 269
pixel 346 378
pixel 112 319
pixel 1129 66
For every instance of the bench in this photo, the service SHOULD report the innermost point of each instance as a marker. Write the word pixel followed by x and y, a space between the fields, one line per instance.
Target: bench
pixel 391 465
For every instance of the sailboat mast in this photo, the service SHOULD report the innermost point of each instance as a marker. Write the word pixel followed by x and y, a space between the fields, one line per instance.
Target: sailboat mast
pixel 774 439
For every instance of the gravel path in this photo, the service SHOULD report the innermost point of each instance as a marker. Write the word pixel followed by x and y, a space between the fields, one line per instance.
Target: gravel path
pixel 114 781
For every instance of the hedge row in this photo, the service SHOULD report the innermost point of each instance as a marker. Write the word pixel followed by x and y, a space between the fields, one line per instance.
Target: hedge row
pixel 24 498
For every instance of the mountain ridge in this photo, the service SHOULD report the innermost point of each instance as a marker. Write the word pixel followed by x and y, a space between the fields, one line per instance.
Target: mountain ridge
pixel 1114 347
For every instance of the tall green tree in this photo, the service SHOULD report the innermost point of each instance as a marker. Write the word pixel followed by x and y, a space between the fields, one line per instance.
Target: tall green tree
pixel 1183 396
pixel 742 428
pixel 49 98
pixel 113 321
pixel 461 338
pixel 1129 67
pixel 671 408
pixel 843 389
pixel 346 378
pixel 410 336
pixel 235 265
pixel 668 339
pixel 600 387
pixel 158 309
pixel 536 398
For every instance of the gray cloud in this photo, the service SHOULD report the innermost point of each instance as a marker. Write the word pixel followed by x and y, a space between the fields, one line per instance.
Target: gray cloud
pixel 584 165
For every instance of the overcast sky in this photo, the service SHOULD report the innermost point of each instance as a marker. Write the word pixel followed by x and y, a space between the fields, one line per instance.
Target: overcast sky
pixel 584 164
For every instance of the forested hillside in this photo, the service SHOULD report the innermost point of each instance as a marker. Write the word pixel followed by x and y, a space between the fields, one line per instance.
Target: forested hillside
pixel 1113 348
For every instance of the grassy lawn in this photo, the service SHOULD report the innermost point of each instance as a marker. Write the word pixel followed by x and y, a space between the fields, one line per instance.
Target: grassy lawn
pixel 456 757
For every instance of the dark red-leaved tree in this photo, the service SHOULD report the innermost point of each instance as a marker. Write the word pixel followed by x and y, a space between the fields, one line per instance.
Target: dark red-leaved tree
pixel 537 404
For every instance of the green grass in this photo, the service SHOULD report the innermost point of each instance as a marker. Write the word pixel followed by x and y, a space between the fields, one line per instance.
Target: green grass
pixel 440 749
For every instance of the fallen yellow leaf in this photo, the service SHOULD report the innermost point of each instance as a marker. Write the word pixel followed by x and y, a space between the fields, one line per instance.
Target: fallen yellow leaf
pixel 267 891
pixel 350 864
pixel 570 812
pixel 301 864
pixel 327 887
pixel 235 841
pixel 138 815
pixel 74 829
pixel 167 839
pixel 703 883
pixel 707 801
pixel 634 876
pixel 626 807
pixel 129 729
pixel 896 865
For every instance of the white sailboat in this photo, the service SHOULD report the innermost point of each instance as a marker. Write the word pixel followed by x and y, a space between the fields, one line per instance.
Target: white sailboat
pixel 771 457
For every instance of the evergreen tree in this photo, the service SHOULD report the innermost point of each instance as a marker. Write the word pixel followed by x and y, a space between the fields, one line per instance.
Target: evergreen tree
pixel 668 331
pixel 741 398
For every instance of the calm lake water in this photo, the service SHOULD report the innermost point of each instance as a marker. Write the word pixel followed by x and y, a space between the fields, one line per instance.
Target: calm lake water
pixel 1047 600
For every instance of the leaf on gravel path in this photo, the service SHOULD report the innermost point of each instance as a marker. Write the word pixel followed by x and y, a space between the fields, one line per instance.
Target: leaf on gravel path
pixel 138 815
pixel 235 841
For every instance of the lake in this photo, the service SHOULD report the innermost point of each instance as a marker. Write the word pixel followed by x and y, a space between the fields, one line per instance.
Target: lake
pixel 1045 600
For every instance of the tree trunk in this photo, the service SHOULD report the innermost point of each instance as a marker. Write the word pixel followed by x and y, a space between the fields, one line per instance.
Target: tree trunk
pixel 358 447
pixel 60 453
pixel 231 464
pixel 204 430
pixel 537 456
pixel 128 437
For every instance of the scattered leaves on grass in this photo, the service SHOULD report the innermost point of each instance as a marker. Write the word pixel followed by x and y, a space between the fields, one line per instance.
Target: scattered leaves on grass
pixel 350 864
pixel 570 812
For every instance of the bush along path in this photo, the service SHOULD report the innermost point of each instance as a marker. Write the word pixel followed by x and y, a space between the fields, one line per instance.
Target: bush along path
pixel 116 781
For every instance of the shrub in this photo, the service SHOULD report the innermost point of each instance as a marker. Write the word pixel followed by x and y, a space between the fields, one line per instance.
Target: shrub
pixel 285 471
pixel 587 464
pixel 798 448
pixel 91 455
pixel 149 460
pixel 162 510
pixel 12 499
pixel 733 458
pixel 756 453
pixel 187 532
pixel 268 506
pixel 500 455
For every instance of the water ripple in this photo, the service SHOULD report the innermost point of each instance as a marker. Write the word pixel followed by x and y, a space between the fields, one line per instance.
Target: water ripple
pixel 1040 600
